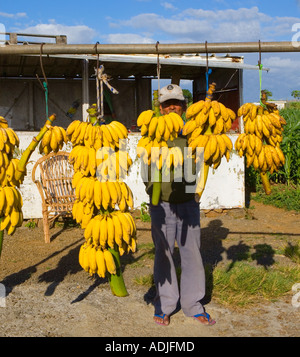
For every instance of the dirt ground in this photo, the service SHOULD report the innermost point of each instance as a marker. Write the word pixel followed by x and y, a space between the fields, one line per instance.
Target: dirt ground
pixel 48 294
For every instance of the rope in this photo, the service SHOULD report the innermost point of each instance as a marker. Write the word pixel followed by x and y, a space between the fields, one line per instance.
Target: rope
pixel 207 78
pixel 99 117
pixel 46 98
pixel 101 78
pixel 208 70
pixel 158 68
pixel 44 85
pixel 260 67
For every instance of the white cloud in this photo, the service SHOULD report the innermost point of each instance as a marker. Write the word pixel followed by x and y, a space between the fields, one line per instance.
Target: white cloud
pixel 75 34
pixel 198 25
pixel 280 80
pixel 128 38
pixel 168 5
pixel 229 15
pixel 278 63
pixel 13 16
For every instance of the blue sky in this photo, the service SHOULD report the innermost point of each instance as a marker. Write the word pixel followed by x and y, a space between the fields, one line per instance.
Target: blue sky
pixel 173 21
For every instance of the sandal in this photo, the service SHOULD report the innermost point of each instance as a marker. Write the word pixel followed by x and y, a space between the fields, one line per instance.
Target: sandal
pixel 165 321
pixel 209 320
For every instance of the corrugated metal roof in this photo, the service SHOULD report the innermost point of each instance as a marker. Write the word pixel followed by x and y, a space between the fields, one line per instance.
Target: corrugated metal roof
pixel 123 66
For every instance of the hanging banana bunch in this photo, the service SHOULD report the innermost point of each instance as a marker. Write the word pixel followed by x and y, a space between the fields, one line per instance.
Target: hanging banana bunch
pixel 156 131
pixel 11 202
pixel 103 199
pixel 12 173
pixel 53 140
pixel 105 135
pixel 208 122
pixel 260 142
pixel 152 148
pixel 100 164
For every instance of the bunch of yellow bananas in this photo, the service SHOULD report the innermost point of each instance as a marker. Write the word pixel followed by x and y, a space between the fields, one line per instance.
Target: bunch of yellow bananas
pixel 156 131
pixel 164 127
pixel 105 163
pixel 53 140
pixel 97 136
pixel 96 181
pixel 260 143
pixel 105 231
pixel 92 193
pixel 112 228
pixel 112 165
pixel 11 202
pixel 265 123
pixel 209 120
pixel 171 157
pixel 96 260
pixel 215 146
pixel 263 157
pixel 100 163
pixel 8 166
pixel 3 122
pixel 85 133
pixel 206 113
pixel 83 159
pixel 8 171
pixel 152 150
pixel 8 139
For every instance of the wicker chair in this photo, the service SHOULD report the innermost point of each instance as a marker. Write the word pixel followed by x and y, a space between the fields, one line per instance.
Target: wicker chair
pixel 55 188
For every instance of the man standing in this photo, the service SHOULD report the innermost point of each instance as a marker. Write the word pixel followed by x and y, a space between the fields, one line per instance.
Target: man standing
pixel 176 218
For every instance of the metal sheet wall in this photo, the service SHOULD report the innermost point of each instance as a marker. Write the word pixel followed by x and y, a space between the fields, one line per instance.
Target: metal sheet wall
pixel 23 103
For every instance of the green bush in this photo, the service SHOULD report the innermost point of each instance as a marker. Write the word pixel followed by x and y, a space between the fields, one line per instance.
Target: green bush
pixel 293 105
pixel 290 146
pixel 145 216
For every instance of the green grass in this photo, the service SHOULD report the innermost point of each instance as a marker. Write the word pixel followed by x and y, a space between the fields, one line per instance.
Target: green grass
pixel 245 284
pixel 293 252
pixel 282 196
pixel 144 280
pixel 31 224
pixel 147 250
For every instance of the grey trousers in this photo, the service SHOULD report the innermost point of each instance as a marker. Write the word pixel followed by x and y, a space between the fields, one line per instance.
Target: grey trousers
pixel 180 223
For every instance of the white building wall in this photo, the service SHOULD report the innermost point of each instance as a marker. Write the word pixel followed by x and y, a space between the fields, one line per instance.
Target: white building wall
pixel 224 188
